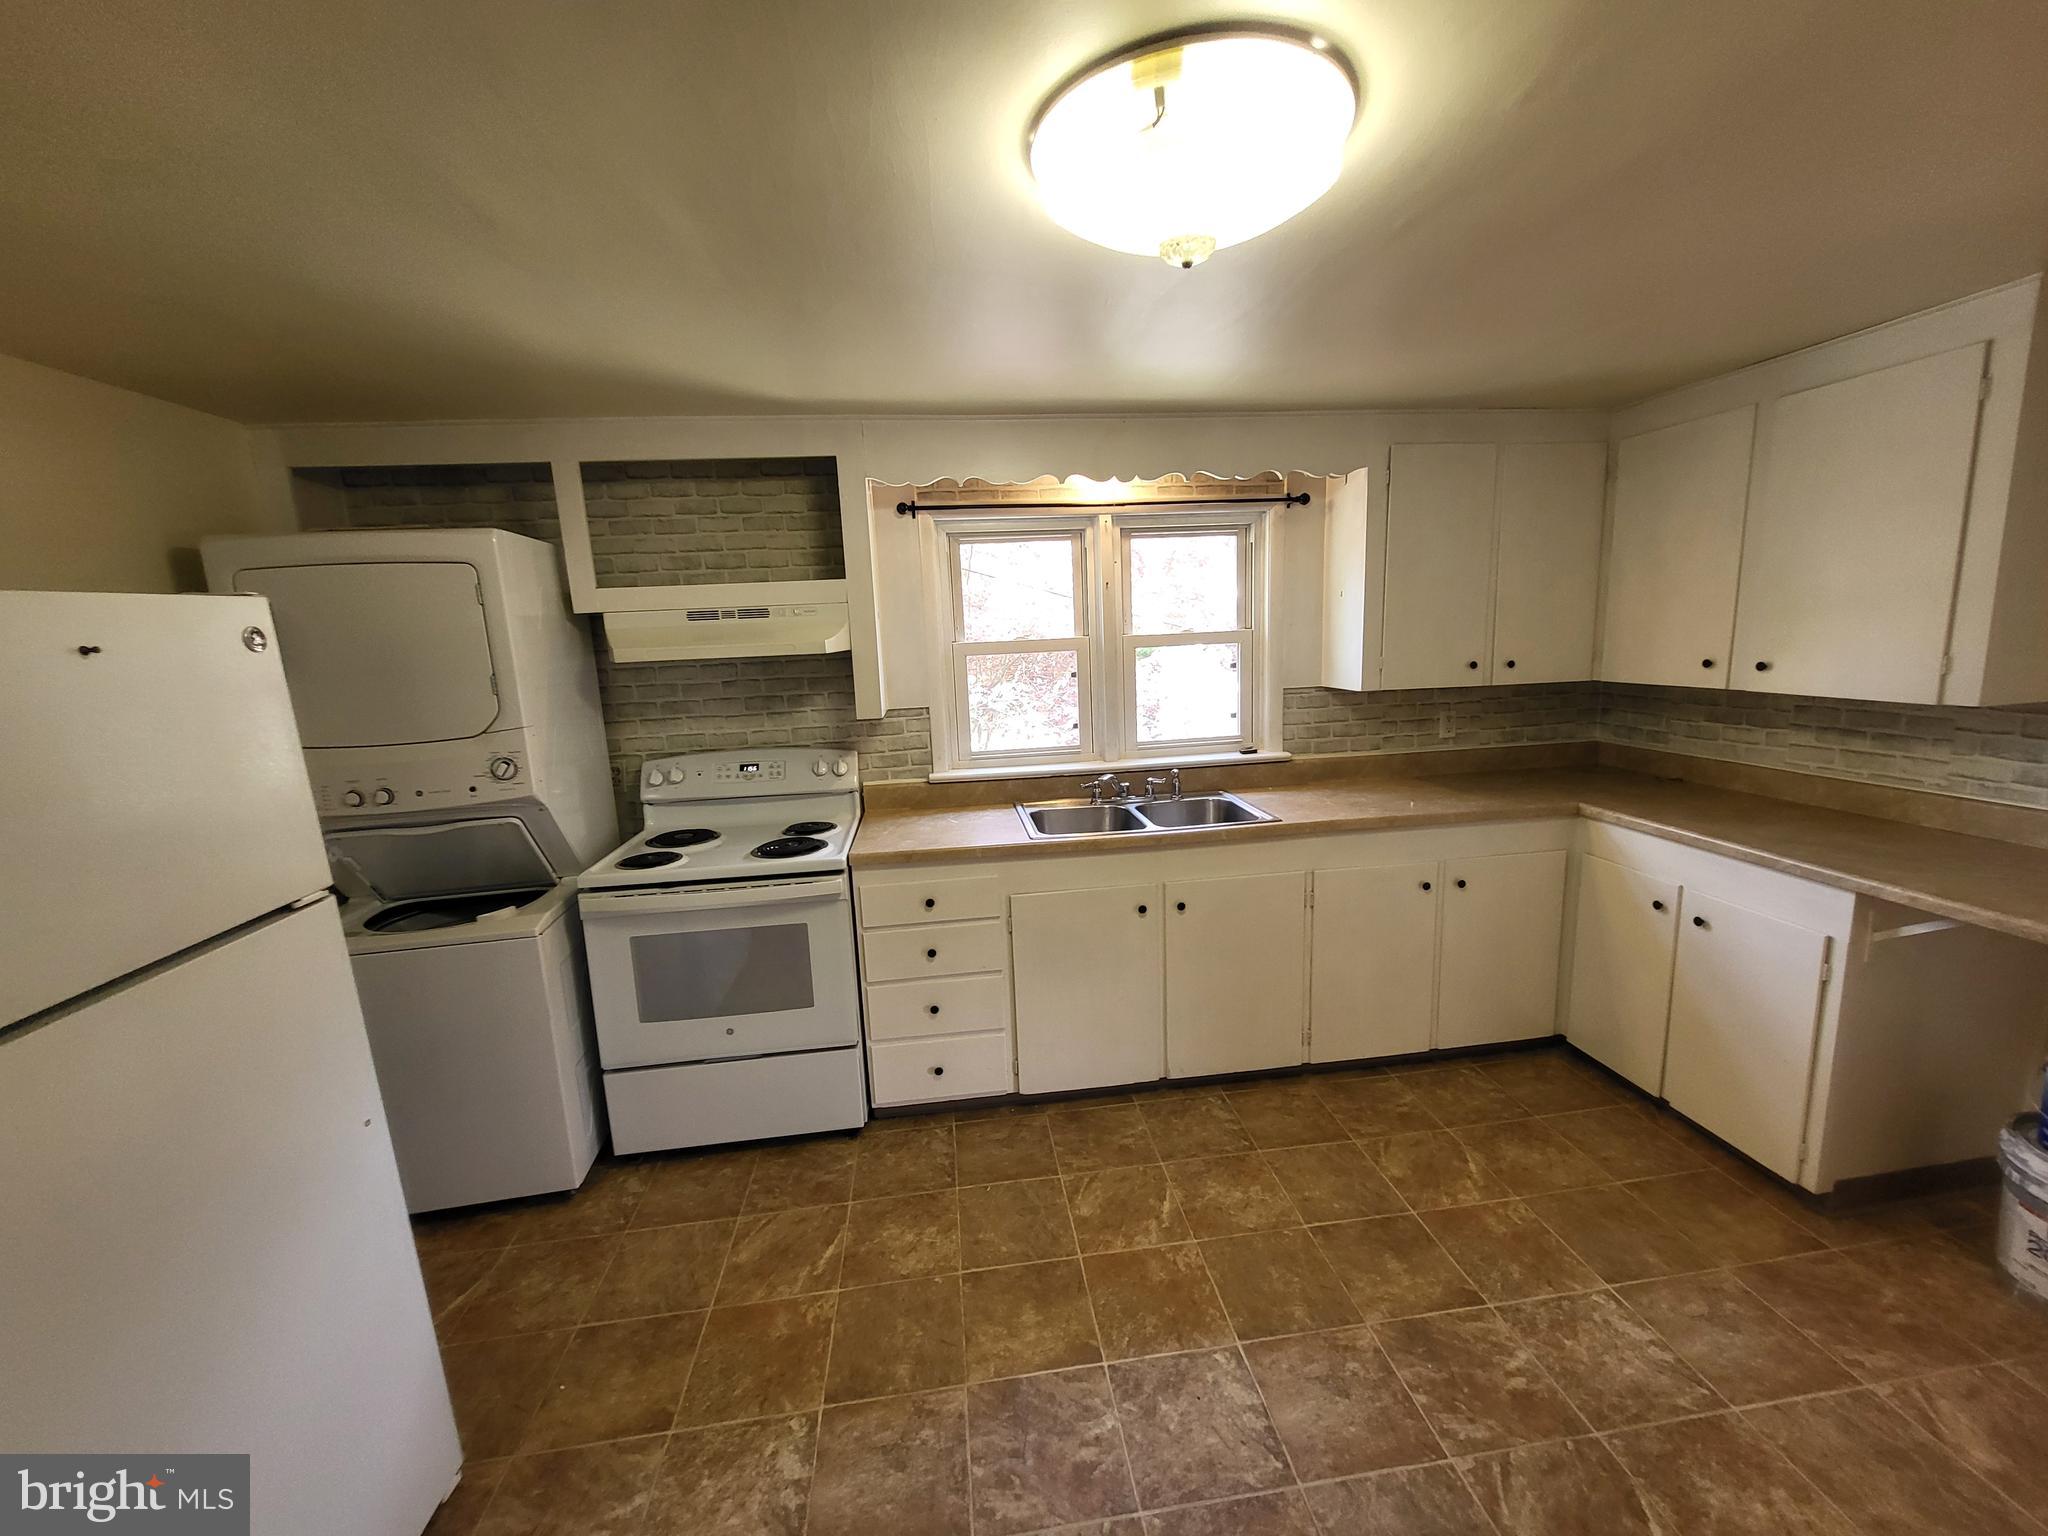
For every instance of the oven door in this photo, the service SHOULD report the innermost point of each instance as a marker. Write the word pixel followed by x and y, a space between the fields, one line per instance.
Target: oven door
pixel 706 973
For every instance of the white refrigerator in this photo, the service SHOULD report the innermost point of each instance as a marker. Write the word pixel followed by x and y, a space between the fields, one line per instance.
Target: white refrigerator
pixel 203 1247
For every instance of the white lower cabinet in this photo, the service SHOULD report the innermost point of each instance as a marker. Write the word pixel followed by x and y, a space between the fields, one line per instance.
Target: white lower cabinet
pixel 1626 926
pixel 1745 1013
pixel 1090 986
pixel 1372 983
pixel 1236 964
pixel 1503 923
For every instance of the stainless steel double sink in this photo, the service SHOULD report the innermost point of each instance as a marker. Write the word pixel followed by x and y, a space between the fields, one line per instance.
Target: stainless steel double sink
pixel 1050 819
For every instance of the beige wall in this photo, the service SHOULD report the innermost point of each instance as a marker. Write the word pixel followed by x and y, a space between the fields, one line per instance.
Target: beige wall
pixel 105 490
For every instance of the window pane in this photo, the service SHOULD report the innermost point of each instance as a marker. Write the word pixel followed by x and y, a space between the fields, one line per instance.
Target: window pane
pixel 1183 582
pixel 1016 589
pixel 1188 692
pixel 1026 702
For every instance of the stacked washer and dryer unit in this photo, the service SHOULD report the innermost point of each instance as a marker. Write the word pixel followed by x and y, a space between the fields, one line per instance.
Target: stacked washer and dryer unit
pixel 447 703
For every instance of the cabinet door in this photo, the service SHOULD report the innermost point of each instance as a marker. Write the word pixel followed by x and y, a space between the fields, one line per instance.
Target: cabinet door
pixel 1439 565
pixel 1620 999
pixel 1679 495
pixel 1236 951
pixel 1547 573
pixel 1745 1005
pixel 1849 555
pixel 1372 962
pixel 1088 975
pixel 1503 924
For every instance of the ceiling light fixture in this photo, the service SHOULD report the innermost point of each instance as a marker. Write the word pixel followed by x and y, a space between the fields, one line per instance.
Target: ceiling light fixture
pixel 1196 140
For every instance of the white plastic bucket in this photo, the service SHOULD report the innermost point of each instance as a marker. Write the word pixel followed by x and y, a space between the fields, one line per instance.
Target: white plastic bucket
pixel 2023 1212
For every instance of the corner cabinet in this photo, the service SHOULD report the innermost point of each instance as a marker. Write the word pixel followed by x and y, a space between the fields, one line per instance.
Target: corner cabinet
pixel 1464 564
pixel 1625 935
pixel 1503 916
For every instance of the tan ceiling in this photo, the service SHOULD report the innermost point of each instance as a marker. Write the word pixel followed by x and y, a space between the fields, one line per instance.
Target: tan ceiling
pixel 412 209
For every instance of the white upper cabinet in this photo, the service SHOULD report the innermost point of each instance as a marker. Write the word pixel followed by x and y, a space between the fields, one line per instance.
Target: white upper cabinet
pixel 1849 556
pixel 1547 566
pixel 1679 495
pixel 1440 519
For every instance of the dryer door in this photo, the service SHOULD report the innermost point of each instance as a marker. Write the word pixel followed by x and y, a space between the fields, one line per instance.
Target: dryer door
pixel 382 653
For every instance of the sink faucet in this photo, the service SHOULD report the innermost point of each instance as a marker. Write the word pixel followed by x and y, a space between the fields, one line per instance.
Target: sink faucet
pixel 1170 783
pixel 1106 787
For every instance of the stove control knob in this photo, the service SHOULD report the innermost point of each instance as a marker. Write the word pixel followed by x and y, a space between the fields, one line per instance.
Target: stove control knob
pixel 352 799
pixel 821 768
pixel 383 797
pixel 503 768
pixel 675 775
pixel 654 778
pixel 839 767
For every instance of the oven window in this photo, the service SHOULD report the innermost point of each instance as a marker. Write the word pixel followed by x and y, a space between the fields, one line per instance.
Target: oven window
pixel 718 973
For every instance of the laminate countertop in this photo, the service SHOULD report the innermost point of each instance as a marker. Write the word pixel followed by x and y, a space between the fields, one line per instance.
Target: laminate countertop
pixel 1984 881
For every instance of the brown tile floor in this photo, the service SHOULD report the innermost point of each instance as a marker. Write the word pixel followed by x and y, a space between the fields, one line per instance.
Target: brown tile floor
pixel 1494 1295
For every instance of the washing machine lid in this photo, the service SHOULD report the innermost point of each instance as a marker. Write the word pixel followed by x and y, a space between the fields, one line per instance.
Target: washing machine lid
pixel 495 853
pixel 382 653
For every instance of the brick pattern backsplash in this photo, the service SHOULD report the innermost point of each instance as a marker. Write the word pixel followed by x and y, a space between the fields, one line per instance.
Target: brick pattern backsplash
pixel 652 710
pixel 1985 754
pixel 713 520
pixel 1324 720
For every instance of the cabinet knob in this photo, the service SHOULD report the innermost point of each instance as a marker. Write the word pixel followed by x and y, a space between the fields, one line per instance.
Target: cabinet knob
pixel 1699 922
pixel 1510 663
pixel 1472 666
pixel 1142 909
pixel 1763 666
pixel 930 902
pixel 938 1071
pixel 931 954
pixel 1425 885
pixel 1656 906
pixel 1707 662
pixel 1180 906
pixel 1461 885
pixel 933 1009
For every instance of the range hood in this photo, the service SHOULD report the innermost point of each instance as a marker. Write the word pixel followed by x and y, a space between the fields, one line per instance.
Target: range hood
pixel 708 634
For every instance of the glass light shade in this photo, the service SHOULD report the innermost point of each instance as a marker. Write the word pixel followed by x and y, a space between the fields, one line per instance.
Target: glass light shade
pixel 1194 145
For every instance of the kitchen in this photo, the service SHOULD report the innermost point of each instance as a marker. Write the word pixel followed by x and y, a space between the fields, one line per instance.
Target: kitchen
pixel 1355 934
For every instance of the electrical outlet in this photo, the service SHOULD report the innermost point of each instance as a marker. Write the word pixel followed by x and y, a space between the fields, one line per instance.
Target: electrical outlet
pixel 1443 726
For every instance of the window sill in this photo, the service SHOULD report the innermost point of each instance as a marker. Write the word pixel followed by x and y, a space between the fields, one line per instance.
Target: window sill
pixel 1134 765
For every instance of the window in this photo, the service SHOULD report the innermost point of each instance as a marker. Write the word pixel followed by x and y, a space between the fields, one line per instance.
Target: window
pixel 1178 600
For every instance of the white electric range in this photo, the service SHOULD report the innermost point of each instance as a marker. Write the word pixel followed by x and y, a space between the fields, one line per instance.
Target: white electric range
pixel 720 944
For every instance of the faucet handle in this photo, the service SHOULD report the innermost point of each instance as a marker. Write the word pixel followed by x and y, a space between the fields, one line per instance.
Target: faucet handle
pixel 1169 781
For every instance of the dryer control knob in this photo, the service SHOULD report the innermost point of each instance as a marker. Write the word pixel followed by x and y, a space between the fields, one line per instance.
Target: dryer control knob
pixel 821 768
pixel 383 797
pixel 675 775
pixel 352 798
pixel 504 768
pixel 839 767
pixel 654 778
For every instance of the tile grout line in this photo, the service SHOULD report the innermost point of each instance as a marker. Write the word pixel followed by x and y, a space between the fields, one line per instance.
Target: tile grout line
pixel 1108 1376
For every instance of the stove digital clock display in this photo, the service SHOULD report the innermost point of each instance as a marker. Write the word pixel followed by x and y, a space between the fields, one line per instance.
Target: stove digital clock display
pixel 749 770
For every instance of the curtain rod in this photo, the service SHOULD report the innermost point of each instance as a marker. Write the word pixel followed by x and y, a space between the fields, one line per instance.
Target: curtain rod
pixel 912 508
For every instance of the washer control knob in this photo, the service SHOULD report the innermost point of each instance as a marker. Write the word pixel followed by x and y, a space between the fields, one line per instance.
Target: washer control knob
pixel 352 798
pixel 839 767
pixel 821 768
pixel 383 797
pixel 503 768
pixel 675 775
pixel 654 778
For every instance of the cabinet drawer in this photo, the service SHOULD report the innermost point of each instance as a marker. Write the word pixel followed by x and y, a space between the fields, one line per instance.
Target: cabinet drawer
pixel 939 1005
pixel 945 949
pixel 929 901
pixel 946 1067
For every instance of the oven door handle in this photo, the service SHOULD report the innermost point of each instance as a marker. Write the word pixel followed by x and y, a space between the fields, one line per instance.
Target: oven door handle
pixel 706 898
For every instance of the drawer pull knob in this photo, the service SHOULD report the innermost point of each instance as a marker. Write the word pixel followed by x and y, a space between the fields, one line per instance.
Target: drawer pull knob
pixel 1699 922
pixel 1141 909
pixel 1461 885
pixel 1472 666
pixel 938 1071
pixel 1180 906
pixel 1656 906
pixel 930 902
pixel 931 954
pixel 1425 885
pixel 933 1010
